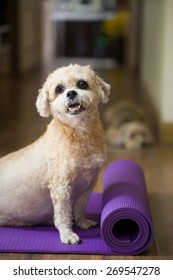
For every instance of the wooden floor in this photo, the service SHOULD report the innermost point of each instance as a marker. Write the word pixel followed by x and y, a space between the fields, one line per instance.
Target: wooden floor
pixel 20 125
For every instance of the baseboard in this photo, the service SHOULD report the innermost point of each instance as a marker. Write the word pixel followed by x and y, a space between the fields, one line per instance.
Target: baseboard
pixel 166 133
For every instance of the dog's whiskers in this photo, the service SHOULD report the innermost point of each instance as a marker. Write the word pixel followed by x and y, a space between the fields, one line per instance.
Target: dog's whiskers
pixel 87 100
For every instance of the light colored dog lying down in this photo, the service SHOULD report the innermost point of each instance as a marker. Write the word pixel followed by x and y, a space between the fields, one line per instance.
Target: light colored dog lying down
pixel 127 126
pixel 55 175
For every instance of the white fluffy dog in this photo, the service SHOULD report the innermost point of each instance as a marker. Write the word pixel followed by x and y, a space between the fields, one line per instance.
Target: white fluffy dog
pixel 55 175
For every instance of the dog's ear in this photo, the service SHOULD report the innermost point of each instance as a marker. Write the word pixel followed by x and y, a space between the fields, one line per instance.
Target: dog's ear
pixel 104 90
pixel 42 103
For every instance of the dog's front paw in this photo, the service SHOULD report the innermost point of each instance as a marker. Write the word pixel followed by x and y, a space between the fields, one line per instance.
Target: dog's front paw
pixel 86 223
pixel 70 238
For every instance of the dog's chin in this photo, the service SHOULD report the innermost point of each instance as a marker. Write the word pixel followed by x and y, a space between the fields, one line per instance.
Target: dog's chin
pixel 75 109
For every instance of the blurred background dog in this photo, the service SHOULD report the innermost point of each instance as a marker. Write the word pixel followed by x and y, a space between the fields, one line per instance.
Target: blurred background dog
pixel 127 127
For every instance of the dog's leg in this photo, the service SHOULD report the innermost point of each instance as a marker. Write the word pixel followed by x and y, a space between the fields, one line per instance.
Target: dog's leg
pixel 80 206
pixel 61 198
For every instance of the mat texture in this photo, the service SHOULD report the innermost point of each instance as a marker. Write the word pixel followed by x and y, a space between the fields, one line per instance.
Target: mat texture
pixel 122 211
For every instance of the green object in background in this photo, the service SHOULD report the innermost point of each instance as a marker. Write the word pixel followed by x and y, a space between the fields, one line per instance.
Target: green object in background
pixel 102 41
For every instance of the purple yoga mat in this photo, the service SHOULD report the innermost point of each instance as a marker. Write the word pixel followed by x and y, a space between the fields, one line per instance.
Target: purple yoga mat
pixel 126 225
pixel 122 210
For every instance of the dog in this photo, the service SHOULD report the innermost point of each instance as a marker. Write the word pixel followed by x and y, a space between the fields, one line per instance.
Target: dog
pixel 52 178
pixel 127 126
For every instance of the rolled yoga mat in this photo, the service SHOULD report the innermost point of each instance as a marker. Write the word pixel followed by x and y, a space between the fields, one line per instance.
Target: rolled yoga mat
pixel 122 210
pixel 126 225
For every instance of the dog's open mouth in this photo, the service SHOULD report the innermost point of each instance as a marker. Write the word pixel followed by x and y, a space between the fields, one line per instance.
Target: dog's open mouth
pixel 74 109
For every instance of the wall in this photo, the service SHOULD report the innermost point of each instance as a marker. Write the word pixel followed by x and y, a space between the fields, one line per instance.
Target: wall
pixel 167 78
pixel 157 55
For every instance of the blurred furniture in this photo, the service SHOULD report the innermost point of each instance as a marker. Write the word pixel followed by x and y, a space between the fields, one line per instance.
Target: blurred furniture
pixel 75 36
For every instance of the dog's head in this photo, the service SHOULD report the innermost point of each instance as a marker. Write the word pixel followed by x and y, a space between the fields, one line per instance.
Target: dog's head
pixel 135 135
pixel 71 92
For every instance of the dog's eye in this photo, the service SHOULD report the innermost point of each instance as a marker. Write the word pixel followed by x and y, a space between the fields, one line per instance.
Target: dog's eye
pixel 82 84
pixel 59 89
pixel 133 135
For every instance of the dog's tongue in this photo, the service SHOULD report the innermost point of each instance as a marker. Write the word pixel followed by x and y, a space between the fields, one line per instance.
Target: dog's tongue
pixel 74 107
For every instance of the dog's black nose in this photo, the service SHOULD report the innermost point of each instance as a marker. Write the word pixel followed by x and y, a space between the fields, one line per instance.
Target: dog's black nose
pixel 71 94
